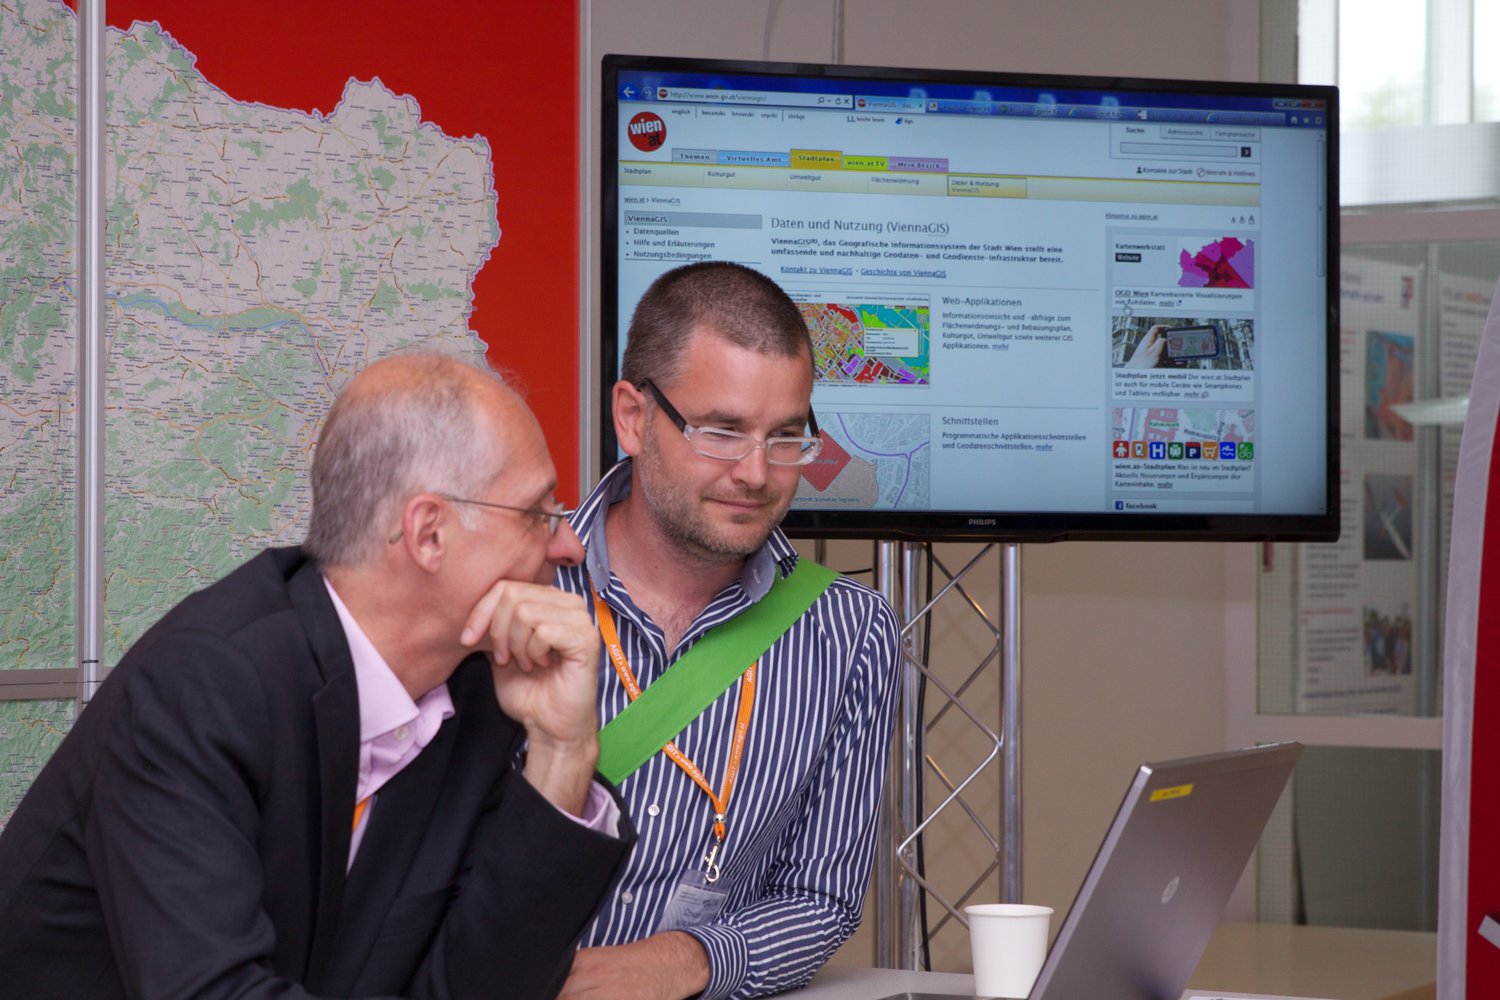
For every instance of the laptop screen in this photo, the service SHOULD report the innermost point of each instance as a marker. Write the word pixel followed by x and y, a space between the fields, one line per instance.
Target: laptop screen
pixel 1158 886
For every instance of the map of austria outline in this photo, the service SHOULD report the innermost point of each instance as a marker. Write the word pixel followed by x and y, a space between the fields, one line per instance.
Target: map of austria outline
pixel 258 256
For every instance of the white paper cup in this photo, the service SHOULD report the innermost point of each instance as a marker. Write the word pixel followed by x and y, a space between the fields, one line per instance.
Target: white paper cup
pixel 1009 941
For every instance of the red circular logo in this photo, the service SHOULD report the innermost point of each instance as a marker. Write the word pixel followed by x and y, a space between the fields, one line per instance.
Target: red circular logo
pixel 647 132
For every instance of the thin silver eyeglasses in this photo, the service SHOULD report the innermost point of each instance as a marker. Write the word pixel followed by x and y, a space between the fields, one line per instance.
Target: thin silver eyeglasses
pixel 731 446
pixel 553 517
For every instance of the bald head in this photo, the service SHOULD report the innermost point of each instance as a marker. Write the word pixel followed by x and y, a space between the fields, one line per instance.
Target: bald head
pixel 405 425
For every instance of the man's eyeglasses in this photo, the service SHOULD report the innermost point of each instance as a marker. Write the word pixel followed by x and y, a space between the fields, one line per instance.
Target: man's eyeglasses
pixel 554 517
pixel 731 446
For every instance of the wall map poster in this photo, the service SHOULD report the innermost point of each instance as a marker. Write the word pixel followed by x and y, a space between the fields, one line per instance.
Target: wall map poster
pixel 293 190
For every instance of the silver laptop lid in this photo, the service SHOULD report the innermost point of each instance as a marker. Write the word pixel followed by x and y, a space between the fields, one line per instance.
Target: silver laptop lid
pixel 1162 877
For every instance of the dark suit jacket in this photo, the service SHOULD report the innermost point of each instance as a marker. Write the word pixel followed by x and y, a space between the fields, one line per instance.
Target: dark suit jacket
pixel 190 836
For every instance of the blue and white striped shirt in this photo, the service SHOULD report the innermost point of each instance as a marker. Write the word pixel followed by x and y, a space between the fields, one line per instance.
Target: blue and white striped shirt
pixel 802 820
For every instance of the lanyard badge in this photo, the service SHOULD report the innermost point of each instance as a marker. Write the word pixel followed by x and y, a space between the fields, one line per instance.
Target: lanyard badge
pixel 711 859
pixel 695 894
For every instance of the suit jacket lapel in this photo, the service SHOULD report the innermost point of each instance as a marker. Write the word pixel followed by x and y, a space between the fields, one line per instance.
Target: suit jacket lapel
pixel 336 719
pixel 392 839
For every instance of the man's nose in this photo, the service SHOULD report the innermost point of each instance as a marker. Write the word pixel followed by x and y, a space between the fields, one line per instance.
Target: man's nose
pixel 564 548
pixel 753 468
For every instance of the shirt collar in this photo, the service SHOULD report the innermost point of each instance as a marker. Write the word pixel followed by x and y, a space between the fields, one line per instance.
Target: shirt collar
pixel 588 522
pixel 384 704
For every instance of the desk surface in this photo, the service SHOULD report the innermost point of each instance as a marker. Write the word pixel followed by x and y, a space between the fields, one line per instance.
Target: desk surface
pixel 850 983
pixel 1275 959
pixel 1344 962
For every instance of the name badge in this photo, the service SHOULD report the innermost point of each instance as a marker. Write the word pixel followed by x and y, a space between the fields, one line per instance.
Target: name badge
pixel 694 902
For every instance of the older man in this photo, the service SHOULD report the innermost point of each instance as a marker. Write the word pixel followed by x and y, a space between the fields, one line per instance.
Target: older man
pixel 758 822
pixel 302 780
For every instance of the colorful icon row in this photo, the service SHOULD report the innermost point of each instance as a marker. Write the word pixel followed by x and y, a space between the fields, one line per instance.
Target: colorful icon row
pixel 1173 451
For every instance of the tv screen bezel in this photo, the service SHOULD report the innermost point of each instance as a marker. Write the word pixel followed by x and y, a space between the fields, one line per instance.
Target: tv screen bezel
pixel 989 525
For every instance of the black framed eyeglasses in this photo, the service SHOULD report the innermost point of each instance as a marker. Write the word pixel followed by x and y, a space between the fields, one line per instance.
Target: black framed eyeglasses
pixel 731 446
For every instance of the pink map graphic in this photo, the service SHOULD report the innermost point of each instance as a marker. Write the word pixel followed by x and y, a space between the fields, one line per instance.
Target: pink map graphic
pixel 1225 263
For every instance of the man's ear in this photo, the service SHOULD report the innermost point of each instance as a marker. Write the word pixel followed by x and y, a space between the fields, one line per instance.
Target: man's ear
pixel 425 525
pixel 630 412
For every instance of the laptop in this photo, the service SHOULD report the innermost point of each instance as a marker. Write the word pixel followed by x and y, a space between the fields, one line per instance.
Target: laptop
pixel 1158 886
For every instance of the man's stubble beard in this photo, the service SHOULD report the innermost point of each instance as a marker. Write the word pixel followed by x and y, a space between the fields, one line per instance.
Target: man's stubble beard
pixel 679 518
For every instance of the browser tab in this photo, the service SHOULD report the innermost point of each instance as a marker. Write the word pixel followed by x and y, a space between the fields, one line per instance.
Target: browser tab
pixel 912 105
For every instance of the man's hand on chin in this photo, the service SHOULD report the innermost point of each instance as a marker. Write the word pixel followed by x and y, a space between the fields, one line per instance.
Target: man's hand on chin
pixel 544 652
pixel 668 966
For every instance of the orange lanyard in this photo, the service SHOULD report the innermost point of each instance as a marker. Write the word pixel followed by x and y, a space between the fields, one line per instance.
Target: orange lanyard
pixel 359 811
pixel 736 746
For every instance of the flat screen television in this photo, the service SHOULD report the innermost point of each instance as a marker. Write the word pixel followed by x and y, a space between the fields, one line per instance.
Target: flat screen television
pixel 1042 307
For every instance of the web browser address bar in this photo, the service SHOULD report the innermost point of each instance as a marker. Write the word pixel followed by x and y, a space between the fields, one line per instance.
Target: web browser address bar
pixel 779 98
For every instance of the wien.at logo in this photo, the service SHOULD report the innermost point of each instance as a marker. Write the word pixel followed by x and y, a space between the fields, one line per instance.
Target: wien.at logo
pixel 647 132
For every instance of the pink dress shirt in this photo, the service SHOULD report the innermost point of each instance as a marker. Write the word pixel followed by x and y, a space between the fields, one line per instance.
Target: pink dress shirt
pixel 393 729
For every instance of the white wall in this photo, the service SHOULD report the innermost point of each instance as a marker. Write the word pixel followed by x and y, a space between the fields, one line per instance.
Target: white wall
pixel 1171 38
pixel 1124 646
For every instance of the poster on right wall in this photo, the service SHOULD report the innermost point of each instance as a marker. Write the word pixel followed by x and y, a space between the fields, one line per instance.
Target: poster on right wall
pixel 1357 597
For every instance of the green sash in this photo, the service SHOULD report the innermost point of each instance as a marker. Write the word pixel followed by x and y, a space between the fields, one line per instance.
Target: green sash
pixel 704 672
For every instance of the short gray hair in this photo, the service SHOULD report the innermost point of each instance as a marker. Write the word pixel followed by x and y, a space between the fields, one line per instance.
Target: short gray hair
pixel 382 444
pixel 731 300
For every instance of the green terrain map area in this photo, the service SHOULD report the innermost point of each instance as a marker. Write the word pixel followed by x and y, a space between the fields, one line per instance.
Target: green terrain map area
pixel 257 257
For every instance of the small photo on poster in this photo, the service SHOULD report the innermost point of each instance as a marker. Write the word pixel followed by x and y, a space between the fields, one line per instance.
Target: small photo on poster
pixel 1387 642
pixel 1388 383
pixel 1208 343
pixel 1387 520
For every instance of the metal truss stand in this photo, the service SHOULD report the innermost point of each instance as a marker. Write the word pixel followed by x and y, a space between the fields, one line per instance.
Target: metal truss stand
pixel 942 748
